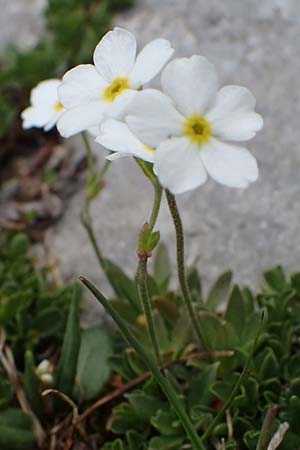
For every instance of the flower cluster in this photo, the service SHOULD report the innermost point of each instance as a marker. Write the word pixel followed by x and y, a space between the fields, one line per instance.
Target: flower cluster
pixel 189 129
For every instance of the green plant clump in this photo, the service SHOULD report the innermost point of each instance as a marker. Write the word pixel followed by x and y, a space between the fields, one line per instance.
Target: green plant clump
pixel 42 347
pixel 204 381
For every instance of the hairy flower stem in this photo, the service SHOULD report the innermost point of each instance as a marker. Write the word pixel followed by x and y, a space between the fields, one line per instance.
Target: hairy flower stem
pixel 181 267
pixel 150 363
pixel 142 274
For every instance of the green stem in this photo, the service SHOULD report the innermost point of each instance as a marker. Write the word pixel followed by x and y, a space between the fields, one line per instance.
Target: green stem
pixel 90 157
pixel 156 206
pixel 230 399
pixel 142 275
pixel 163 382
pixel 181 266
pixel 146 302
pixel 87 222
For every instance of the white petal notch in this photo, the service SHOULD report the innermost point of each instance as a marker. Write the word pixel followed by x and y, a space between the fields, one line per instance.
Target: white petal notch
pixel 195 128
pixel 112 81
pixel 45 109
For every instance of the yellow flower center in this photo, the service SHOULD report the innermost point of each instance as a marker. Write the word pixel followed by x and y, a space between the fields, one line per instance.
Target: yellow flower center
pixel 149 149
pixel 197 129
pixel 112 91
pixel 58 107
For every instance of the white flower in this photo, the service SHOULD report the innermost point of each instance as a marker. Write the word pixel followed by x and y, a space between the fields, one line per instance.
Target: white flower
pixel 45 107
pixel 192 128
pixel 94 92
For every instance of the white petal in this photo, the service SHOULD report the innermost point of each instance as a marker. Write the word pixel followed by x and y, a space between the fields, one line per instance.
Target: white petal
pixel 36 117
pixel 117 155
pixel 116 136
pixel 228 164
pixel 119 107
pixel 238 126
pixel 80 118
pixel 52 121
pixel 192 83
pixel 115 54
pixel 81 85
pixel 150 61
pixel 94 130
pixel 231 99
pixel 153 118
pixel 178 165
pixel 45 95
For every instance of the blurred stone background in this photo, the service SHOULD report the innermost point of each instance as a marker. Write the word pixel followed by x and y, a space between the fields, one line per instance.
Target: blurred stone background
pixel 253 43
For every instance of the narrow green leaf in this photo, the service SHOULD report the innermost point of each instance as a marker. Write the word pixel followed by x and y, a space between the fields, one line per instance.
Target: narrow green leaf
pixel 31 386
pixel 235 311
pixel 123 286
pixel 162 266
pixel 219 291
pixel 92 368
pixel 66 371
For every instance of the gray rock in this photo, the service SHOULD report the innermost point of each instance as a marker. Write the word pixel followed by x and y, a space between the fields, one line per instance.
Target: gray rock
pixel 20 22
pixel 251 43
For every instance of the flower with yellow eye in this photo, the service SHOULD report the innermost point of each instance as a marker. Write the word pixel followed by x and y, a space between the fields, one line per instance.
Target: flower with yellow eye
pixel 45 108
pixel 193 127
pixel 91 93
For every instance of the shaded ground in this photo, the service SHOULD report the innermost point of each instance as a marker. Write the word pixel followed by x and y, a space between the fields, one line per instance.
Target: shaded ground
pixel 252 43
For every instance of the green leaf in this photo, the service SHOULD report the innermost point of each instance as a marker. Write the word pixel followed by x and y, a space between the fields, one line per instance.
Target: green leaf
pixel 135 440
pixel 268 365
pixel 144 405
pixel 219 291
pixel 49 322
pixel 166 423
pixel 194 281
pixel 123 286
pixel 199 391
pixel 6 392
pixel 161 332
pixel 165 443
pixel 219 333
pixel 16 430
pixel 125 418
pixel 66 371
pixel 235 311
pixel 93 369
pixel 162 267
pixel 31 386
pixel 276 279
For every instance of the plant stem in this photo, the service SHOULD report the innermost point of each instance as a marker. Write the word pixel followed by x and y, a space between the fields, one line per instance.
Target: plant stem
pixel 181 267
pixel 142 275
pixel 86 218
pixel 146 302
pixel 87 222
pixel 163 382
pixel 89 153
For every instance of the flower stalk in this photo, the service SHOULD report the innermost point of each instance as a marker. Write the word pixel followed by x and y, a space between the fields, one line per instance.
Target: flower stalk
pixel 147 241
pixel 181 267
pixel 94 186
pixel 148 360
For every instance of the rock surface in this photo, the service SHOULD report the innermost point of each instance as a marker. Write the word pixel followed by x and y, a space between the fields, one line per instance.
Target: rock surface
pixel 20 22
pixel 252 43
